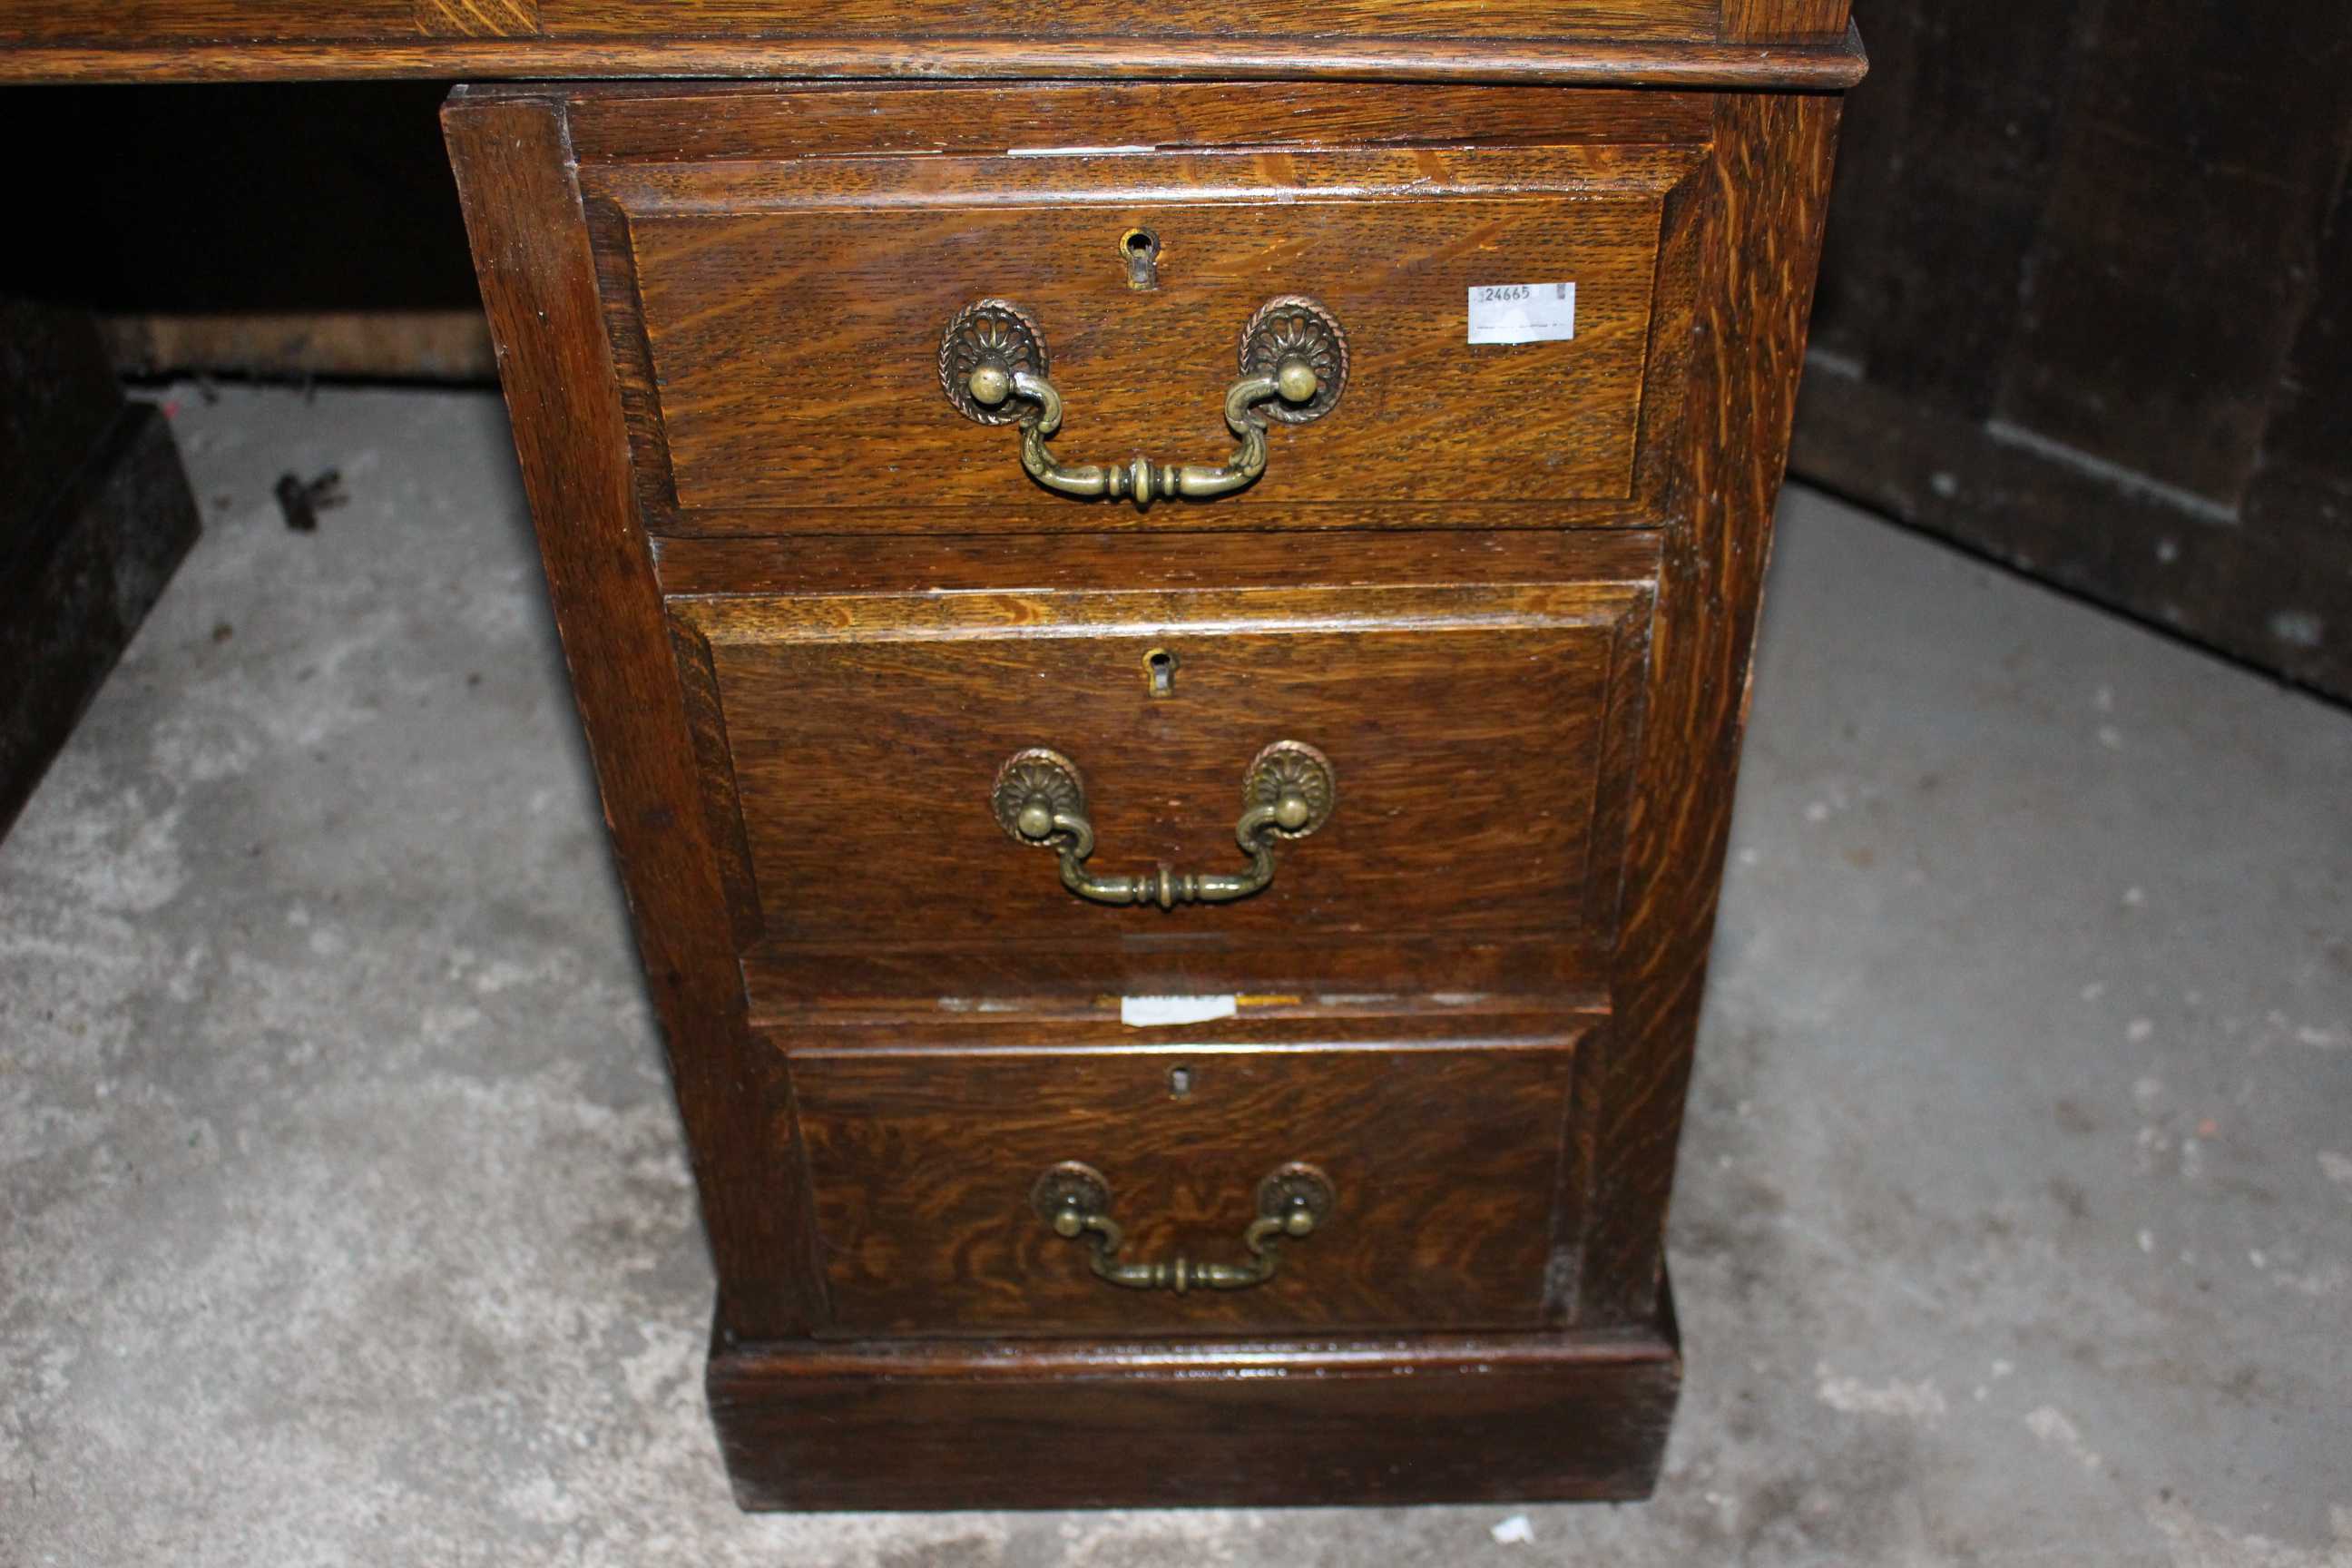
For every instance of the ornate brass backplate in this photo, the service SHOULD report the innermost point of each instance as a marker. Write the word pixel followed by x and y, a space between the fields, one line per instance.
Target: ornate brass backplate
pixel 990 341
pixel 1287 770
pixel 1292 328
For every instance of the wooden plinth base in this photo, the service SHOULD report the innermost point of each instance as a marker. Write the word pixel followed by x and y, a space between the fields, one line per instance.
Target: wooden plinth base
pixel 1069 1423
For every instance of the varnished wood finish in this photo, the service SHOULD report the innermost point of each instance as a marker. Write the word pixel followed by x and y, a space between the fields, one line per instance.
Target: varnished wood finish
pixel 1760 237
pixel 822 972
pixel 622 24
pixel 793 314
pixel 1688 21
pixel 133 23
pixel 921 1161
pixel 870 565
pixel 530 245
pixel 819 978
pixel 677 123
pixel 55 35
pixel 89 40
pixel 1767 20
pixel 780 140
pixel 887 1016
pixel 477 19
pixel 1177 1424
pixel 1467 727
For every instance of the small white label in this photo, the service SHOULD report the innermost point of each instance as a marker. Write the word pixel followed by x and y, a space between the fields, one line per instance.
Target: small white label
pixel 1522 312
pixel 1517 1531
pixel 1075 151
pixel 1143 1012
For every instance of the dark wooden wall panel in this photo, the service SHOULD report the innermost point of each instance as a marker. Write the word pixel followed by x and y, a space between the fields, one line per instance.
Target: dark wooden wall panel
pixel 1947 162
pixel 2201 148
pixel 2082 307
pixel 2298 511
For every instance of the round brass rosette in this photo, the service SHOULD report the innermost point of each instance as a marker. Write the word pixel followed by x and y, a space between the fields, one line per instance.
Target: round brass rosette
pixel 990 332
pixel 1297 1188
pixel 1292 326
pixel 1041 774
pixel 1291 767
pixel 1072 1186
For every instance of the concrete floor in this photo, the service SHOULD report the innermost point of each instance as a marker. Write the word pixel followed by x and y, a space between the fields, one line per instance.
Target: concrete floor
pixel 344 1217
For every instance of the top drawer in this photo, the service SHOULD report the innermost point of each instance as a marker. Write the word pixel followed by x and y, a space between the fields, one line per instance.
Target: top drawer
pixel 785 319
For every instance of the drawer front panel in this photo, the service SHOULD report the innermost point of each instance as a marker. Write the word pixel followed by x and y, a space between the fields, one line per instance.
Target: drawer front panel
pixel 1443 1162
pixel 1474 735
pixel 793 314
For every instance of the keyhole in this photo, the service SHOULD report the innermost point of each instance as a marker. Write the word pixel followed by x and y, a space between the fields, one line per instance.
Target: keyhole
pixel 1141 250
pixel 1180 1083
pixel 1159 668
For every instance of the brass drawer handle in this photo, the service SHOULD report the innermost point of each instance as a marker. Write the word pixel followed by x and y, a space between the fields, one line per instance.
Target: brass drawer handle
pixel 1294 359
pixel 1288 793
pixel 1292 1201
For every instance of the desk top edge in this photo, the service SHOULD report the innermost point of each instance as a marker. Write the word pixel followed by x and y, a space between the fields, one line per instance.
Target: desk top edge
pixel 1820 65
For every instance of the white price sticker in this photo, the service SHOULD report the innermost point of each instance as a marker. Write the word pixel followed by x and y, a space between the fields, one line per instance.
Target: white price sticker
pixel 1149 1012
pixel 1523 313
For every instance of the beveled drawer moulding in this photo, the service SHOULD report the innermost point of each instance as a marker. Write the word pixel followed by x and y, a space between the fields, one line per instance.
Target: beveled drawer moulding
pixel 1513 704
pixel 1171 783
pixel 777 299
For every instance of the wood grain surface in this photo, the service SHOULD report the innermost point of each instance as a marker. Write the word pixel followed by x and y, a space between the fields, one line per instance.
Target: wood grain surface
pixel 1679 20
pixel 822 969
pixel 129 23
pixel 921 1163
pixel 677 123
pixel 477 19
pixel 1095 1424
pixel 794 313
pixel 885 566
pixel 1521 724
pixel 1765 20
pixel 84 43
pixel 1466 728
pixel 1759 232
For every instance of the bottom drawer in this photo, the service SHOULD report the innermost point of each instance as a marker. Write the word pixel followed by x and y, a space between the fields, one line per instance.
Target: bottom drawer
pixel 1430 1175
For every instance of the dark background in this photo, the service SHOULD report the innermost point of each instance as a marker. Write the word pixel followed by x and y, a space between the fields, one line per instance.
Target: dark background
pixel 2083 308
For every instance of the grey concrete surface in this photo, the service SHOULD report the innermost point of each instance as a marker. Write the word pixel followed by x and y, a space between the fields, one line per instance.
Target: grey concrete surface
pixel 344 1217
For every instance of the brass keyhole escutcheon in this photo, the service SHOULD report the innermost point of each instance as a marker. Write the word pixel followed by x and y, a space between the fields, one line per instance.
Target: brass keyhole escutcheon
pixel 1159 672
pixel 1140 250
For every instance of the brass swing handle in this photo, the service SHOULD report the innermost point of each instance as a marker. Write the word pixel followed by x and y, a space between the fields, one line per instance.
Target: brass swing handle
pixel 1142 477
pixel 1075 1199
pixel 1286 793
pixel 1294 363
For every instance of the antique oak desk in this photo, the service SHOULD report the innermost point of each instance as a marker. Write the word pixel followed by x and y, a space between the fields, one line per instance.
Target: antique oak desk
pixel 1180 971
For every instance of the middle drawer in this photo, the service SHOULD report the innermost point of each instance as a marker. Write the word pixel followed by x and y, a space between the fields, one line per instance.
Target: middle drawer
pixel 1035 775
